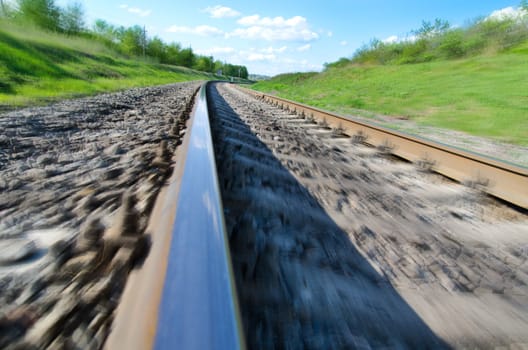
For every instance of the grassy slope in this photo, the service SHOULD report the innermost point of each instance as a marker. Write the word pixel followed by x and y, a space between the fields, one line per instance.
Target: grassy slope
pixel 486 96
pixel 37 66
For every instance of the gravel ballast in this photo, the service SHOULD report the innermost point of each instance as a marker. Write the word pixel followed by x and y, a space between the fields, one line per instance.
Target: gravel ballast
pixel 336 244
pixel 78 180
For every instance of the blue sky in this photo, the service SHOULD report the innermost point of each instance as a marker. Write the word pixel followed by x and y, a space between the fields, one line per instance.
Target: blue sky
pixel 272 37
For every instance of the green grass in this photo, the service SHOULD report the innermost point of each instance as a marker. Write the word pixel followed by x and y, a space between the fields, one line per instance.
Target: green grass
pixel 37 67
pixel 484 96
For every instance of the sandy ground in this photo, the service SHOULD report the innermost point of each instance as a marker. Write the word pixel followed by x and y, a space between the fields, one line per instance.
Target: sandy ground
pixel 338 245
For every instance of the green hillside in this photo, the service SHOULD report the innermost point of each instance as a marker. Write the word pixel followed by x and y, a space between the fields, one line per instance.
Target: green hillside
pixel 37 66
pixel 486 96
pixel 477 83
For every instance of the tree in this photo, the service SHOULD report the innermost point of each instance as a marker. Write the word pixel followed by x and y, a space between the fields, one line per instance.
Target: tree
pixel 132 41
pixel 72 18
pixel 3 8
pixel 452 44
pixel 157 48
pixel 106 33
pixel 43 13
pixel 218 67
pixel 429 29
pixel 186 58
pixel 6 9
pixel 103 29
pixel 172 53
pixel 232 70
pixel 204 64
pixel 243 72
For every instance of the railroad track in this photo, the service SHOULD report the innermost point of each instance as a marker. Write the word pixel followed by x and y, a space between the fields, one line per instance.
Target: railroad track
pixel 292 233
pixel 184 296
pixel 269 229
pixel 502 180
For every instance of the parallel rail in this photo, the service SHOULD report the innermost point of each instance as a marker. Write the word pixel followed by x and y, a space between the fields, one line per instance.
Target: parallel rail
pixel 505 181
pixel 184 296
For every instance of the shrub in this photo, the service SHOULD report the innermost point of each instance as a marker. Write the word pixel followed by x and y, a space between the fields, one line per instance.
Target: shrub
pixel 436 40
pixel 452 44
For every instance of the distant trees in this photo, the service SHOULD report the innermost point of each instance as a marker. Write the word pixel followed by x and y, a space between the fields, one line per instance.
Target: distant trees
pixel 186 58
pixel 157 48
pixel 47 15
pixel 172 53
pixel 235 71
pixel 71 19
pixel 429 29
pixel 131 41
pixel 43 13
pixel 204 63
pixel 4 9
pixel 105 32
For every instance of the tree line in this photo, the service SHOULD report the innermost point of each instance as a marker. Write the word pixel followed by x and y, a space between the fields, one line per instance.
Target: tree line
pixel 130 41
pixel 436 40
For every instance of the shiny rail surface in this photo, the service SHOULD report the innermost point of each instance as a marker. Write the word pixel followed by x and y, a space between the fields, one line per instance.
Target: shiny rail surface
pixel 184 297
pixel 502 180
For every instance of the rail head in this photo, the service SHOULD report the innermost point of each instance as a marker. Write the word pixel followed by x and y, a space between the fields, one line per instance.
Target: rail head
pixel 184 296
pixel 198 308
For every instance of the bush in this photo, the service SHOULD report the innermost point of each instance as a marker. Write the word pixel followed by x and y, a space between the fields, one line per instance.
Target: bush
pixel 452 44
pixel 436 40
pixel 414 52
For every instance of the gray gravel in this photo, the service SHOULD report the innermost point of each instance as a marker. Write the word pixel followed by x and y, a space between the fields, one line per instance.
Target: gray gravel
pixel 78 180
pixel 338 245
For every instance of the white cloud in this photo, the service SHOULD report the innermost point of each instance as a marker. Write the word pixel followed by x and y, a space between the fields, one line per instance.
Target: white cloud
pixel 271 49
pixel 304 48
pixel 136 10
pixel 391 39
pixel 203 30
pixel 216 51
pixel 248 20
pixel 330 34
pixel 273 34
pixel 277 22
pixel 274 29
pixel 221 12
pixel 343 43
pixel 507 13
pixel 252 57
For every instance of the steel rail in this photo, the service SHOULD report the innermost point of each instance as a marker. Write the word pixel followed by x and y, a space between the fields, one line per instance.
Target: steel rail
pixel 184 296
pixel 499 179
